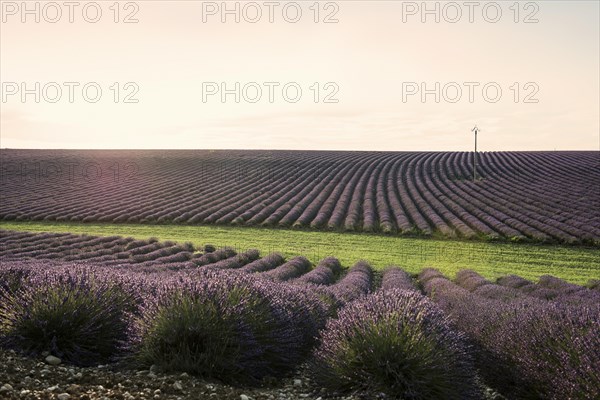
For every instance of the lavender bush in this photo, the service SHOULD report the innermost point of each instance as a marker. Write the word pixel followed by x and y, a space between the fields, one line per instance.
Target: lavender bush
pixel 429 273
pixel 12 277
pixel 513 281
pixel 333 264
pixel 267 263
pixel 234 327
pixel 77 313
pixel 213 256
pixel 209 248
pixel 355 284
pixel 323 274
pixel 396 342
pixel 237 261
pixel 397 278
pixel 470 279
pixel 291 269
pixel 139 243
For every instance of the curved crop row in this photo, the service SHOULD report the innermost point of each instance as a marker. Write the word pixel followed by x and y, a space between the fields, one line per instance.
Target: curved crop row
pixel 537 196
pixel 521 343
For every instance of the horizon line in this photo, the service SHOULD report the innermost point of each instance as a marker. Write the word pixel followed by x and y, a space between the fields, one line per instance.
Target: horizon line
pixel 283 149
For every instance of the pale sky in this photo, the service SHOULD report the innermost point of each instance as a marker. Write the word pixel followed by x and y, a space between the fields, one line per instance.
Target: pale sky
pixel 377 53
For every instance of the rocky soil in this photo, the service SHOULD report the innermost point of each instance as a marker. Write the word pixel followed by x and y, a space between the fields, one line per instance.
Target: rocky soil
pixel 48 378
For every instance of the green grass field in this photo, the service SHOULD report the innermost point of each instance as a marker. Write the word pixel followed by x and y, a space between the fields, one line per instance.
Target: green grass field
pixel 575 264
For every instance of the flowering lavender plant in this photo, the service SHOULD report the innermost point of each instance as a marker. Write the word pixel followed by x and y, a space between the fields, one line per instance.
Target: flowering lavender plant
pixel 397 278
pixel 235 327
pixel 397 342
pixel 77 313
pixel 470 279
pixel 356 283
pixel 267 263
pixel 289 270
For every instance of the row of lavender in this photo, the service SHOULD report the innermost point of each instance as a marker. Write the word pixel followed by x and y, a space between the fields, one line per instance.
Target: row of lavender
pixel 232 322
pixel 240 328
pixel 237 327
pixel 526 345
pixel 88 314
pixel 150 254
pixel 540 196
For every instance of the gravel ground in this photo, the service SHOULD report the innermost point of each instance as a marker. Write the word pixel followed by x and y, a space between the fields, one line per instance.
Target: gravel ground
pixel 28 378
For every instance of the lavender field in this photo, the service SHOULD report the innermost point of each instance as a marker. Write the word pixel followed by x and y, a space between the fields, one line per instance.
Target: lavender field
pixel 520 196
pixel 244 317
pixel 300 200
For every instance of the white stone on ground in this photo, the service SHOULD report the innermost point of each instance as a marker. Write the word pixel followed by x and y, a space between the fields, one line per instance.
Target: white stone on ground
pixel 53 360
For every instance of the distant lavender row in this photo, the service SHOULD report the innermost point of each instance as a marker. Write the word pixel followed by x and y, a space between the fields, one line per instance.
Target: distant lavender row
pixel 103 249
pixel 151 255
pixel 539 196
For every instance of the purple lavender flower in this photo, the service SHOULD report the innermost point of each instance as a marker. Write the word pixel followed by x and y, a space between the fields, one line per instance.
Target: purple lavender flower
pixel 397 342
